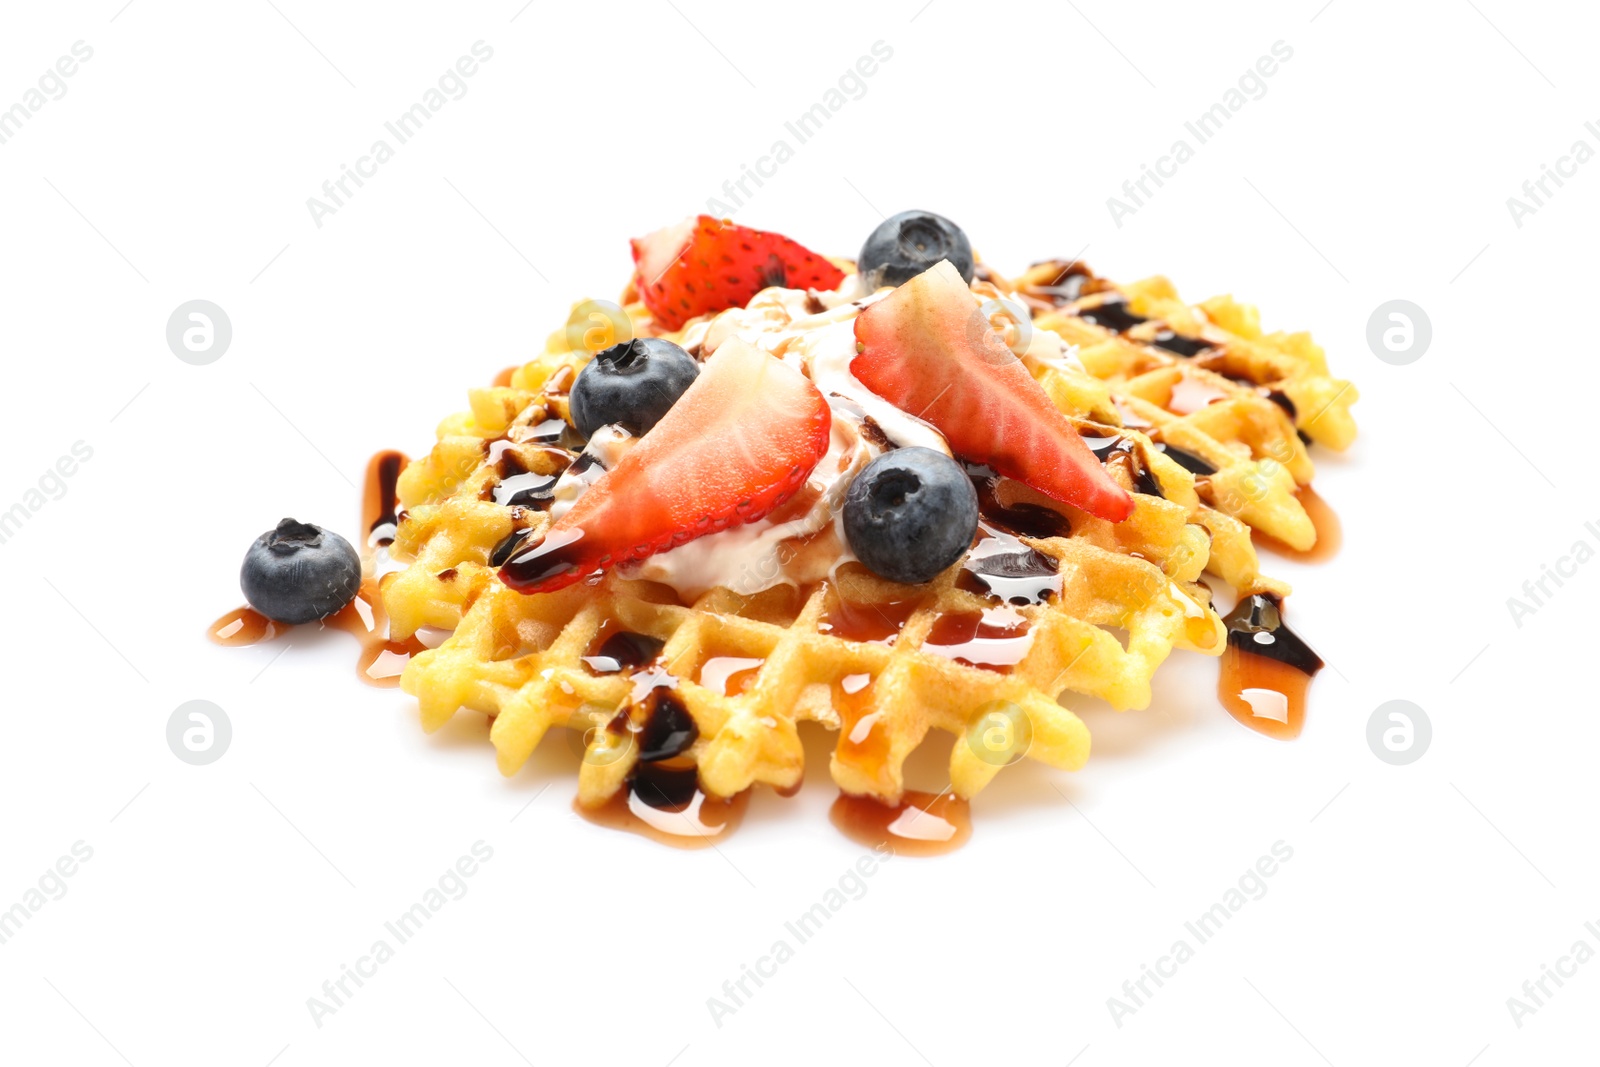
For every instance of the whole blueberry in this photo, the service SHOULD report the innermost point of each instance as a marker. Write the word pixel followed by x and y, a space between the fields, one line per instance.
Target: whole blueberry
pixel 633 384
pixel 299 572
pixel 910 514
pixel 908 244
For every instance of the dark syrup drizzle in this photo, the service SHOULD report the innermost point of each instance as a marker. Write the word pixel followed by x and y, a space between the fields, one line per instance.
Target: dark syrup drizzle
pixel 1113 315
pixel 1180 345
pixel 1265 668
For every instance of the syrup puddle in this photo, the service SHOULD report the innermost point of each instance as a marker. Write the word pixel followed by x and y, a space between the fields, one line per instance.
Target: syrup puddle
pixel 666 805
pixel 922 824
pixel 1266 669
pixel 994 639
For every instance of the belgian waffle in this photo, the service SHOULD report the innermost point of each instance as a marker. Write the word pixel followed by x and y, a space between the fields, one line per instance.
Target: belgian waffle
pixel 879 662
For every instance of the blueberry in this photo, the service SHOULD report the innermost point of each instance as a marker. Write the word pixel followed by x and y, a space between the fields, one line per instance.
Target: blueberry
pixel 300 572
pixel 633 384
pixel 910 514
pixel 908 244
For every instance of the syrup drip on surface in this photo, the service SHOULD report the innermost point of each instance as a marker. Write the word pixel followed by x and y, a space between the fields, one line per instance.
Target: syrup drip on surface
pixel 1266 669
pixel 666 805
pixel 920 825
pixel 1330 533
pixel 381 660
pixel 244 626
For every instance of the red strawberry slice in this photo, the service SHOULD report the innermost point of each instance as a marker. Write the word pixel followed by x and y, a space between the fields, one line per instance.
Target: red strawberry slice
pixel 927 349
pixel 704 265
pixel 737 444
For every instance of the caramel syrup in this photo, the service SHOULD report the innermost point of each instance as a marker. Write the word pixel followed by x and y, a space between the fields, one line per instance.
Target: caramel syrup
pixel 920 825
pixel 862 745
pixel 243 626
pixel 1266 669
pixel 729 675
pixel 381 659
pixel 1330 532
pixel 877 623
pixel 994 639
pixel 1191 394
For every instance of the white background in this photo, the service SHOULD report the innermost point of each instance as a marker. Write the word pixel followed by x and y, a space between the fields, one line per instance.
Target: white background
pixel 219 898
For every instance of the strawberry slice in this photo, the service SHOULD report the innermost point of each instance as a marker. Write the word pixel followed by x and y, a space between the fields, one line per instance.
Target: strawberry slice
pixel 737 444
pixel 927 349
pixel 704 264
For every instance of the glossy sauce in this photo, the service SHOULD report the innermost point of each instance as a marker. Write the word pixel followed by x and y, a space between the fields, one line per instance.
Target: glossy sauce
pixel 1191 394
pixel 920 825
pixel 999 505
pixel 381 659
pixel 729 675
pixel 878 623
pixel 1330 533
pixel 667 806
pixel 1266 669
pixel 379 499
pixel 1001 566
pixel 995 639
pixel 862 744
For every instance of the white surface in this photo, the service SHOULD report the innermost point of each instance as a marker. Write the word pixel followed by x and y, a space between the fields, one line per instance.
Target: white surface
pixel 205 920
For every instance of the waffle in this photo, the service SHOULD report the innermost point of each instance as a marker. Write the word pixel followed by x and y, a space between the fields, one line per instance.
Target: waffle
pixel 878 662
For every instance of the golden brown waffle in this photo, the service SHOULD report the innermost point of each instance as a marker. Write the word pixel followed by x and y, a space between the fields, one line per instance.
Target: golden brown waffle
pixel 876 660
